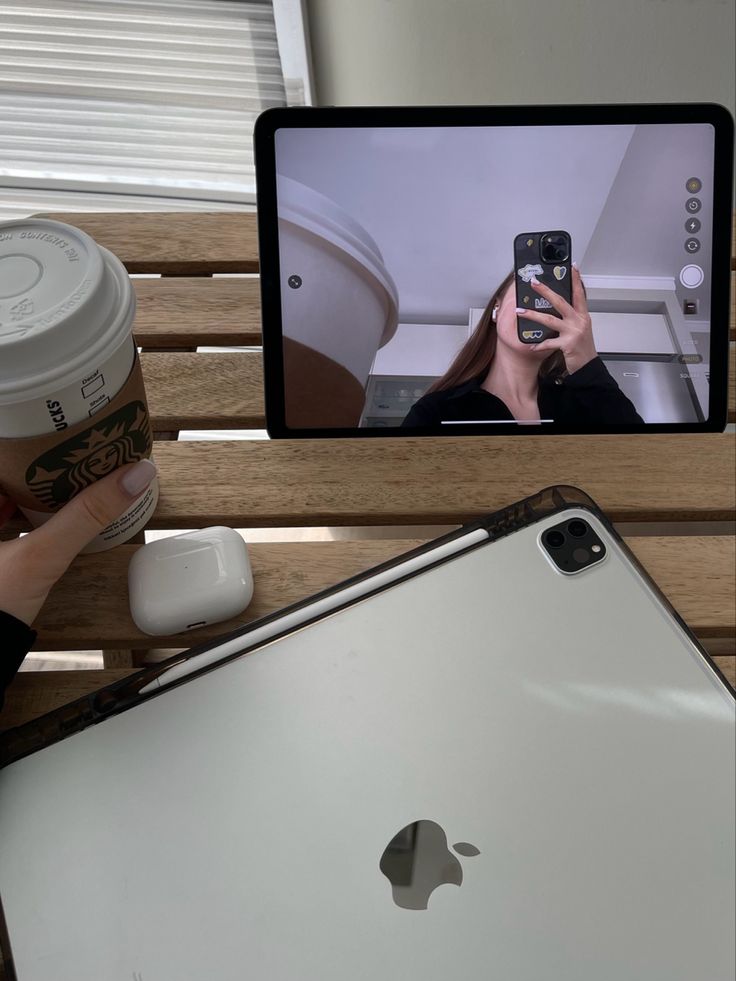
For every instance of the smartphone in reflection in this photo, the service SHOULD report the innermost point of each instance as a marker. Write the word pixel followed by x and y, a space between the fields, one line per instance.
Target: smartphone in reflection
pixel 548 257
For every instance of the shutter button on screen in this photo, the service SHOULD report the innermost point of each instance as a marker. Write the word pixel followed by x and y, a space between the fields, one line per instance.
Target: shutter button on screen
pixel 691 276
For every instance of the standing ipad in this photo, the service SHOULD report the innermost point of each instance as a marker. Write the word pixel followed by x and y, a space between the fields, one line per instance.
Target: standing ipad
pixel 394 242
pixel 502 755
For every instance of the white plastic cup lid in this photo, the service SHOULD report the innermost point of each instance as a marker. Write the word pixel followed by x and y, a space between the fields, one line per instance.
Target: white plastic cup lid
pixel 65 304
pixel 316 213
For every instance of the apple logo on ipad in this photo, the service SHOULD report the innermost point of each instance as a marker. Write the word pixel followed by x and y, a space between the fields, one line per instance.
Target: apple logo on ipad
pixel 417 860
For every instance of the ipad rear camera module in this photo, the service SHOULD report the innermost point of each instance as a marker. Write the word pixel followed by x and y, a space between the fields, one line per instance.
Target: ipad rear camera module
pixel 573 545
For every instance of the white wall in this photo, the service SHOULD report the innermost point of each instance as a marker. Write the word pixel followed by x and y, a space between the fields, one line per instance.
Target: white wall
pixel 444 206
pixel 642 228
pixel 420 349
pixel 374 52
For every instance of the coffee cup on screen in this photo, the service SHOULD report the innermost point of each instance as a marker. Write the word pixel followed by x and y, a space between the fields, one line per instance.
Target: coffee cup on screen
pixel 72 402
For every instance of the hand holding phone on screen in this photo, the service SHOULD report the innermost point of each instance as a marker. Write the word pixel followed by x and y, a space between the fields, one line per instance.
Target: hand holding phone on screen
pixel 547 257
pixel 573 335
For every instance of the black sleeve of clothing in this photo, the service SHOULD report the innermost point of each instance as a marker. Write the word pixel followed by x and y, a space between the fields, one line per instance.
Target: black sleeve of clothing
pixel 600 400
pixel 16 639
pixel 423 413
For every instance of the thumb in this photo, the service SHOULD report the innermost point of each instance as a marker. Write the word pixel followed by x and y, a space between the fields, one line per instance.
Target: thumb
pixel 64 535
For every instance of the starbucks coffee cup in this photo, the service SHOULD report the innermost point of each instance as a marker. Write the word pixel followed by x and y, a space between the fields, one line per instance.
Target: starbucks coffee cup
pixel 72 403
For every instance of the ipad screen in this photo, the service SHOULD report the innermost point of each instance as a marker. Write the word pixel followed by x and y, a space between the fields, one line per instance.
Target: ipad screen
pixel 423 271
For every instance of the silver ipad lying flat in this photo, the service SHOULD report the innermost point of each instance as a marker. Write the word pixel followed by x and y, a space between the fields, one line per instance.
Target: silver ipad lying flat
pixel 510 761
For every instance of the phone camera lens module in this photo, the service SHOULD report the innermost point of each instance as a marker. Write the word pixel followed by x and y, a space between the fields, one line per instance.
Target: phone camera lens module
pixel 554 248
pixel 555 539
pixel 578 529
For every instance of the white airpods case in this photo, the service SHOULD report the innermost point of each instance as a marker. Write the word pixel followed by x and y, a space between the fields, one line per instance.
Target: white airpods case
pixel 189 580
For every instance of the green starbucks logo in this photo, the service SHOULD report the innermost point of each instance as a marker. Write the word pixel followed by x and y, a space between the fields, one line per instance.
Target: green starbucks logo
pixel 122 437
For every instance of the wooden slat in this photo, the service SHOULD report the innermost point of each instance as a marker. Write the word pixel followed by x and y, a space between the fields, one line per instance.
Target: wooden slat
pixel 190 311
pixel 698 576
pixel 211 391
pixel 89 608
pixel 195 245
pixel 413 481
pixel 439 480
pixel 190 244
pixel 204 391
pixel 732 383
pixel 283 573
pixel 184 312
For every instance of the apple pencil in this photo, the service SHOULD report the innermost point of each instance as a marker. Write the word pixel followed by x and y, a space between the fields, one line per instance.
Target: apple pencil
pixel 245 643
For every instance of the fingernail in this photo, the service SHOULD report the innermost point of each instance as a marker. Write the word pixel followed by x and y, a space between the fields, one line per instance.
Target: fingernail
pixel 576 266
pixel 140 475
pixel 535 281
pixel 521 310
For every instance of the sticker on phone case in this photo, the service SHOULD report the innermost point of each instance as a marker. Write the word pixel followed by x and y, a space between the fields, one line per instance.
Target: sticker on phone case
pixel 560 272
pixel 528 271
pixel 541 304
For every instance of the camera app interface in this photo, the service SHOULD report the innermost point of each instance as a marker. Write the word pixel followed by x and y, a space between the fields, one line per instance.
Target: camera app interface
pixel 505 276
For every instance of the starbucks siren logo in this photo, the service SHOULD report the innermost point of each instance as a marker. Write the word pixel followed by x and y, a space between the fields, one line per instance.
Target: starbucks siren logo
pixel 61 472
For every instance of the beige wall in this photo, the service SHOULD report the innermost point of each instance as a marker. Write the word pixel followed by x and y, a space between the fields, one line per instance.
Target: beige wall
pixel 522 51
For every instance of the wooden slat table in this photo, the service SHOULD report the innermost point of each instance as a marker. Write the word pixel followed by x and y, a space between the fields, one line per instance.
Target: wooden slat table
pixel 309 484
pixel 306 484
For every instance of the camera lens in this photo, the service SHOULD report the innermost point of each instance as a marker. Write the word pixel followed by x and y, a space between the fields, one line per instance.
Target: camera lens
pixel 554 248
pixel 577 529
pixel 554 539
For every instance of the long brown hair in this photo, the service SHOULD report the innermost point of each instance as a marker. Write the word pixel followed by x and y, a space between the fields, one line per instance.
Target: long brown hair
pixel 474 358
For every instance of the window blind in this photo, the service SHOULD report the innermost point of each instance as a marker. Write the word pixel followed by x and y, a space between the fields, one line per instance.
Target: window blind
pixel 146 104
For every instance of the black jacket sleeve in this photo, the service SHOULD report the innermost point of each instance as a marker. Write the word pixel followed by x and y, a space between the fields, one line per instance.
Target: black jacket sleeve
pixel 425 412
pixel 16 639
pixel 598 398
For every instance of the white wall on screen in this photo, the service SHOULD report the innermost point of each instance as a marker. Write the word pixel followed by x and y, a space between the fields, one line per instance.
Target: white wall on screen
pixel 444 206
pixel 420 349
pixel 642 226
pixel 429 349
pixel 634 333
